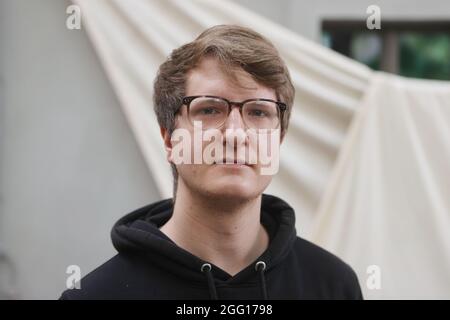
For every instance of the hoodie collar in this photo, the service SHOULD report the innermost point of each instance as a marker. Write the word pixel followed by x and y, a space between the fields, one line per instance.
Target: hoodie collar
pixel 138 233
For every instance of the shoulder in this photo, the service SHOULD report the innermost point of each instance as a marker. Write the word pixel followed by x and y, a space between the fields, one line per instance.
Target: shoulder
pixel 108 281
pixel 320 259
pixel 324 270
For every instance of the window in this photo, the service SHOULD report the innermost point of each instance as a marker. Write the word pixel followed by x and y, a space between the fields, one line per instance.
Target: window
pixel 411 49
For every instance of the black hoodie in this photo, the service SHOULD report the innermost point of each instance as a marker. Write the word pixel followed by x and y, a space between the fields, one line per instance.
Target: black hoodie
pixel 150 266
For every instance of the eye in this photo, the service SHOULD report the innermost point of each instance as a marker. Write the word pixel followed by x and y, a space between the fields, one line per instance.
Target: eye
pixel 209 111
pixel 257 113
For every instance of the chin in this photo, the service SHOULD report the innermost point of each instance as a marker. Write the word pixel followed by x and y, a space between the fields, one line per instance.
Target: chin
pixel 234 191
pixel 230 197
pixel 225 184
pixel 235 188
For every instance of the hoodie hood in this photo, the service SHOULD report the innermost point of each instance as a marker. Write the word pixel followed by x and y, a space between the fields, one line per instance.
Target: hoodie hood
pixel 138 233
pixel 150 266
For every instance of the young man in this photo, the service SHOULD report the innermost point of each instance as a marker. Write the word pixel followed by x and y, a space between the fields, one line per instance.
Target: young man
pixel 221 237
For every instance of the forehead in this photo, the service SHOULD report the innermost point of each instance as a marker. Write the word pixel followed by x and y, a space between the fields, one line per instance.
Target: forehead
pixel 208 78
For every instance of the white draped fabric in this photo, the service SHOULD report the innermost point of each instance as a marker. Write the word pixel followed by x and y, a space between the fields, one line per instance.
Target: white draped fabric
pixel 388 200
pixel 383 201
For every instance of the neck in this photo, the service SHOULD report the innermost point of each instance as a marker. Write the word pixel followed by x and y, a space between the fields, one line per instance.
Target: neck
pixel 229 236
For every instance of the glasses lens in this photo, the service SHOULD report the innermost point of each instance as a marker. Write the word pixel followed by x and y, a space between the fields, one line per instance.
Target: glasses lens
pixel 261 114
pixel 212 112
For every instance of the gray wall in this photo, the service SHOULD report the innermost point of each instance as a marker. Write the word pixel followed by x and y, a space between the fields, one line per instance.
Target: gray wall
pixel 69 165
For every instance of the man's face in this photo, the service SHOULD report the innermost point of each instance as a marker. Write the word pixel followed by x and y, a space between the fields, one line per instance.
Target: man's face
pixel 225 181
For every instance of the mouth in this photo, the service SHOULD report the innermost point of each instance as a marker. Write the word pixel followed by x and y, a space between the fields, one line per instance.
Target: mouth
pixel 233 162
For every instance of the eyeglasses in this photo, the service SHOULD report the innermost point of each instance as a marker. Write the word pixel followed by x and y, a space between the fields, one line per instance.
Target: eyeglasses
pixel 213 111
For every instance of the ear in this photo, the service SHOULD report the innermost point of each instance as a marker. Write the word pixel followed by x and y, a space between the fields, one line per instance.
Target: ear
pixel 167 143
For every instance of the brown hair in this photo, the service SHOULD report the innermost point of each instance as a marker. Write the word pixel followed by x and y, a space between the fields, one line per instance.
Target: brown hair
pixel 235 47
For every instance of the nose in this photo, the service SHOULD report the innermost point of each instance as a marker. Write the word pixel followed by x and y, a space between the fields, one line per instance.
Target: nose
pixel 235 135
pixel 234 120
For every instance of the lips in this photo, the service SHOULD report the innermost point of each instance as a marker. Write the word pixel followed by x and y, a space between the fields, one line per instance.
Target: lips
pixel 230 161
